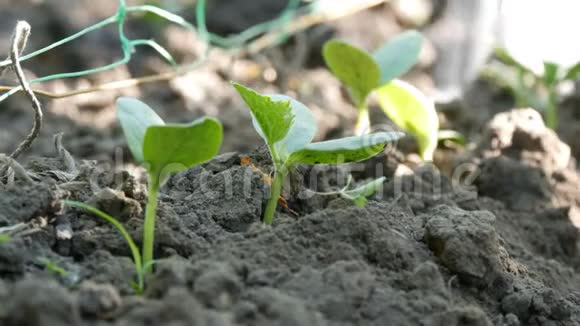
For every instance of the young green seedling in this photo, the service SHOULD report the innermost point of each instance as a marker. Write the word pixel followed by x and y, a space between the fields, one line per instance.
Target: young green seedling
pixel 163 149
pixel 359 194
pixel 288 127
pixel 363 73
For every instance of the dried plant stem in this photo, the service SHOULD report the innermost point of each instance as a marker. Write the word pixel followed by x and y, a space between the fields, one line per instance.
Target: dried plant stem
pixel 19 39
pixel 11 169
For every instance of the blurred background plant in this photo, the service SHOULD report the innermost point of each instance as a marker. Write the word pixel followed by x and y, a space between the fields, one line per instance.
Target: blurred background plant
pixel 533 55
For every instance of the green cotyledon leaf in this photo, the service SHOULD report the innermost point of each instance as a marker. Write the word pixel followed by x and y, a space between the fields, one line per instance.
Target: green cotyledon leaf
pixel 398 55
pixel 176 147
pixel 302 130
pixel 272 118
pixel 345 150
pixel 354 67
pixel 413 112
pixel 135 117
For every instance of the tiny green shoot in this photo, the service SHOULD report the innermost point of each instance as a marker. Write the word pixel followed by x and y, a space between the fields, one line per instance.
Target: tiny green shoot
pixel 288 127
pixel 163 149
pixel 140 284
pixel 359 194
pixel 53 267
pixel 363 73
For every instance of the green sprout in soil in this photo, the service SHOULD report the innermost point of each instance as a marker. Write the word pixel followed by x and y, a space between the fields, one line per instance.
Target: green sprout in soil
pixel 140 284
pixel 163 149
pixel 288 127
pixel 53 267
pixel 359 194
pixel 363 74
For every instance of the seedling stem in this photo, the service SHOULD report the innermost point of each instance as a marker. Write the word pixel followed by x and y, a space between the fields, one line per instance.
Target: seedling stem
pixel 552 108
pixel 279 176
pixel 149 225
pixel 363 121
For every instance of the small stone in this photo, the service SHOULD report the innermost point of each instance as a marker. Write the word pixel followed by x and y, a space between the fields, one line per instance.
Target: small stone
pixel 98 300
pixel 116 204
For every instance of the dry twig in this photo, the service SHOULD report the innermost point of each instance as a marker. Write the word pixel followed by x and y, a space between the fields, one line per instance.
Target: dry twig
pixel 19 39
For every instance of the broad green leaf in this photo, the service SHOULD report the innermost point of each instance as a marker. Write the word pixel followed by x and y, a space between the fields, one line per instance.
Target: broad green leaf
pixel 4 238
pixel 353 67
pixel 173 148
pixel 398 55
pixel 344 150
pixel 302 130
pixel 368 189
pixel 272 119
pixel 135 117
pixel 413 112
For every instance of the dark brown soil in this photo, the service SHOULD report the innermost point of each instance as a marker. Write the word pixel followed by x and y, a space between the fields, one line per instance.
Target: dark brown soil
pixel 493 240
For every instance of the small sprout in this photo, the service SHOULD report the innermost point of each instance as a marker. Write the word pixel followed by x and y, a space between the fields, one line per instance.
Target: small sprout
pixel 54 268
pixel 413 112
pixel 363 73
pixel 288 127
pixel 140 284
pixel 359 194
pixel 163 149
